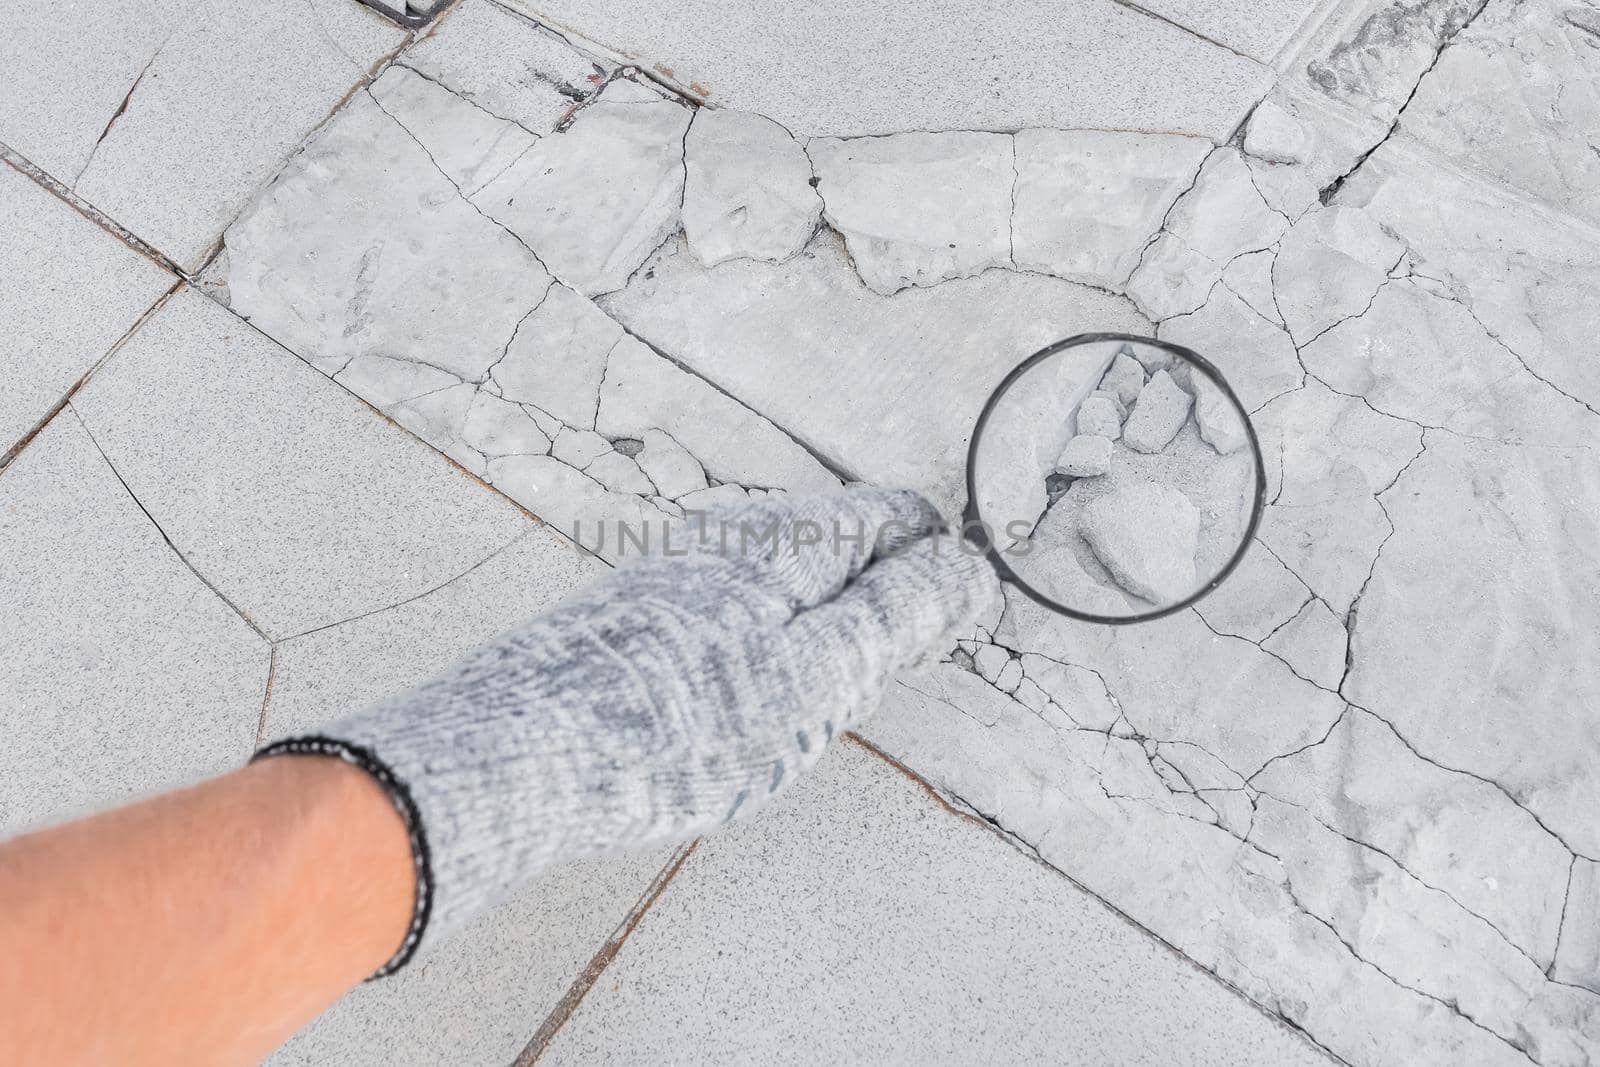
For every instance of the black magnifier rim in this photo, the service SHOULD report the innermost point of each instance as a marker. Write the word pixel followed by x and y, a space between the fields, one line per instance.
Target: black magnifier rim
pixel 971 520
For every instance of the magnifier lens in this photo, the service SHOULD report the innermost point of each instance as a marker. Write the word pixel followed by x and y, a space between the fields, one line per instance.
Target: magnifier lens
pixel 1116 479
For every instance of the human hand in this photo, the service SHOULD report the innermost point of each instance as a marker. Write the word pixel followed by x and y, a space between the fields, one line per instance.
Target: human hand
pixel 667 698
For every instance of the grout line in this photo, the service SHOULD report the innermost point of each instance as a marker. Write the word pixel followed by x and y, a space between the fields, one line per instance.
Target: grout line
pixel 601 960
pixel 28 169
pixel 11 454
pixel 1132 6
pixel 266 696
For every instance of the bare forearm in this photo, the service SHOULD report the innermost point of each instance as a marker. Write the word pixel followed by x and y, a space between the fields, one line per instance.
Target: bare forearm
pixel 206 925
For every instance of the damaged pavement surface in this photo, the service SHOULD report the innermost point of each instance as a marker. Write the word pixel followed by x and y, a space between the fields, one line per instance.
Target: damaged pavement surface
pixel 1357 784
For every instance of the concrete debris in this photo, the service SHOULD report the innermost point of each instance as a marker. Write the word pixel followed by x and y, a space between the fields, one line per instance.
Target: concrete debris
pixel 1125 379
pixel 1100 417
pixel 1275 135
pixel 579 448
pixel 1220 424
pixel 1116 404
pixel 1157 415
pixel 669 465
pixel 1085 456
pixel 1146 535
pixel 620 474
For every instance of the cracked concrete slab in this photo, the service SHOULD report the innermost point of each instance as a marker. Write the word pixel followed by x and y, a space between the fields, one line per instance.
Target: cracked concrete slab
pixel 166 678
pixel 476 999
pixel 1507 96
pixel 595 200
pixel 946 979
pixel 876 68
pixel 886 388
pixel 71 290
pixel 1086 202
pixel 222 99
pixel 1408 880
pixel 918 208
pixel 1464 515
pixel 298 504
pixel 506 65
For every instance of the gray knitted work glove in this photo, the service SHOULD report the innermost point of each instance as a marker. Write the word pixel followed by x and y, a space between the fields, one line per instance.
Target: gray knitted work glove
pixel 663 700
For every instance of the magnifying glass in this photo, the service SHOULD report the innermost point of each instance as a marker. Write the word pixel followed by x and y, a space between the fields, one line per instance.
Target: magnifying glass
pixel 1114 478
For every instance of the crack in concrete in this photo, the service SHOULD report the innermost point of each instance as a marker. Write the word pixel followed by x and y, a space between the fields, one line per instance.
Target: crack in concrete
pixel 1447 38
pixel 121 108
pixel 112 467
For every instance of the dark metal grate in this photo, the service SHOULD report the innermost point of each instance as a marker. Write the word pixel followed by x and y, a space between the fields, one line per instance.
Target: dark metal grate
pixel 409 12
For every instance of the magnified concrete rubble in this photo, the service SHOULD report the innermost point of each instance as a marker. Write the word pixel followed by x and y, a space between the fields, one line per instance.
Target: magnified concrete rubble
pixel 1126 501
pixel 387 324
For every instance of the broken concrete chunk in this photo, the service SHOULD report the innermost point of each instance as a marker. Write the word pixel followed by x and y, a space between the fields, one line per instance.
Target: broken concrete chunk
pixel 1085 456
pixel 1125 378
pixel 918 208
pixel 989 661
pixel 1088 201
pixel 1287 188
pixel 1172 279
pixel 1100 417
pixel 1328 268
pixel 1255 355
pixel 668 507
pixel 436 417
pixel 1249 278
pixel 467 143
pixel 1158 415
pixel 1275 135
pixel 558 357
pixel 1010 677
pixel 620 474
pixel 1150 357
pixel 498 427
pixel 1224 214
pixel 578 448
pixel 1145 535
pixel 1030 696
pixel 1313 644
pixel 669 465
pixel 1219 423
pixel 384 381
pixel 596 200
pixel 714 498
pixel 574 503
pixel 748 192
pixel 1116 402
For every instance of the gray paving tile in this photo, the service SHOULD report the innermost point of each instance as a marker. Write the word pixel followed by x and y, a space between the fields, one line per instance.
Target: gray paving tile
pixel 871 67
pixel 300 504
pixel 66 68
pixel 1259 30
pixel 859 921
pixel 70 290
pixel 120 672
pixel 479 998
pixel 209 99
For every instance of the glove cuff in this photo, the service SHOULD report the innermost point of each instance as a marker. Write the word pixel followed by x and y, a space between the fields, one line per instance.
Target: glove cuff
pixel 400 797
